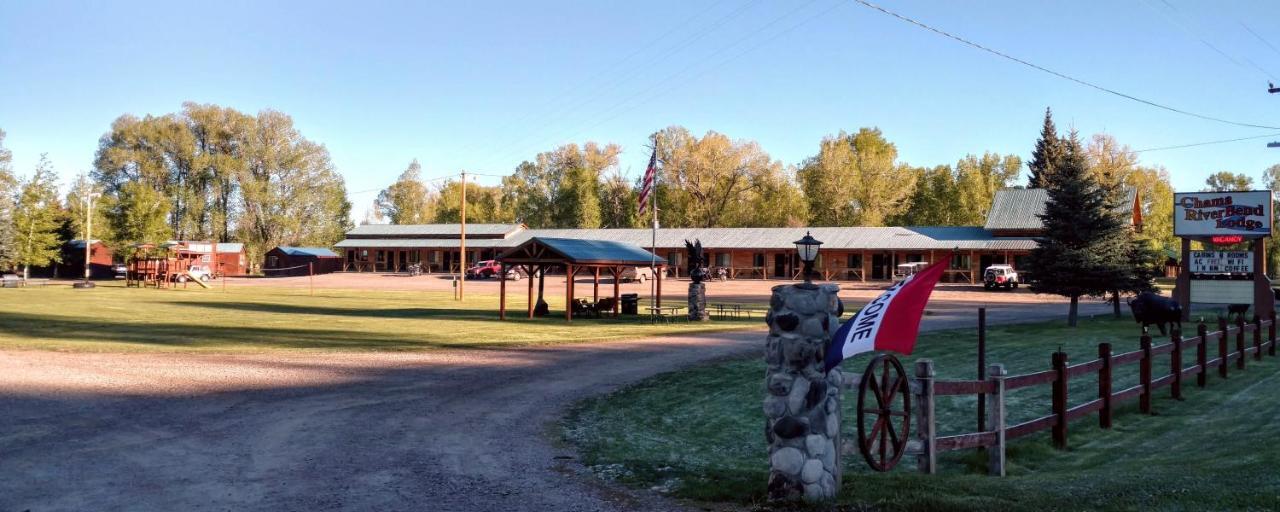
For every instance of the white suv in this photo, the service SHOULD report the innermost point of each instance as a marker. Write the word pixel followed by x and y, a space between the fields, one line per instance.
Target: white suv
pixel 1000 276
pixel 200 272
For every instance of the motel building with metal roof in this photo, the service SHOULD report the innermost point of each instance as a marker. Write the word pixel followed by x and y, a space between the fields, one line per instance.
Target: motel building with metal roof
pixel 848 253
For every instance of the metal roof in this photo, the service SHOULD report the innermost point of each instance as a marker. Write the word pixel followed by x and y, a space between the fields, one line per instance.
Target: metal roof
pixel 870 238
pixel 1020 208
pixel 308 251
pixel 576 250
pixel 79 243
pixel 433 229
pixel 203 247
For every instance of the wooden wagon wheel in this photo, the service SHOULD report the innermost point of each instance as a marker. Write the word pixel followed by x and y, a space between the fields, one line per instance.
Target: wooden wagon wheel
pixel 884 439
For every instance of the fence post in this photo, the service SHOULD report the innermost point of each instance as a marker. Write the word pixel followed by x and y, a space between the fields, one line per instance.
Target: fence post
pixel 1240 342
pixel 995 454
pixel 1175 363
pixel 1144 374
pixel 1201 354
pixel 1271 334
pixel 1104 385
pixel 1257 338
pixel 927 461
pixel 1060 400
pixel 1222 347
pixel 982 367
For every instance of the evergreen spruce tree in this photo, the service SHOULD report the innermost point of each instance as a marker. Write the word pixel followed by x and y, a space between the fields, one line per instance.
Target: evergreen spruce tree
pixel 1084 249
pixel 1048 154
pixel 37 219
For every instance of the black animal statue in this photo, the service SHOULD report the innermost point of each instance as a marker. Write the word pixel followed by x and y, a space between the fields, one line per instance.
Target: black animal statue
pixel 1236 312
pixel 697 261
pixel 1149 308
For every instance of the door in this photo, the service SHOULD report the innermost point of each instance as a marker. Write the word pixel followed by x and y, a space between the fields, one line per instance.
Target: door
pixel 878 264
pixel 779 265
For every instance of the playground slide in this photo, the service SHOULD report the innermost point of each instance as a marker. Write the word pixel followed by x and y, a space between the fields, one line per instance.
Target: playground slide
pixel 197 280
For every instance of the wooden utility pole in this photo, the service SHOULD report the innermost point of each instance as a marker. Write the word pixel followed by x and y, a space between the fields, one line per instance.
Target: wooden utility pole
pixel 462 246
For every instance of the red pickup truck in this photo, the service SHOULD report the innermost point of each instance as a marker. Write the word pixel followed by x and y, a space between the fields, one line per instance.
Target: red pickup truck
pixel 489 268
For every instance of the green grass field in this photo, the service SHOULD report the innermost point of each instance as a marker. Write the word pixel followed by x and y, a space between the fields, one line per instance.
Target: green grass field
pixel 699 434
pixel 113 318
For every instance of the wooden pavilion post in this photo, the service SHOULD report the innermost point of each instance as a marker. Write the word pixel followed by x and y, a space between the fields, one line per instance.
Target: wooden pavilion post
pixel 595 285
pixel 502 293
pixel 530 270
pixel 568 292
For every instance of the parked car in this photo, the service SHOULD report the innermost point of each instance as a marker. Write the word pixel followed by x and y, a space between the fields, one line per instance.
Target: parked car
pixel 200 272
pixel 1000 276
pixel 489 268
pixel 637 274
pixel 121 270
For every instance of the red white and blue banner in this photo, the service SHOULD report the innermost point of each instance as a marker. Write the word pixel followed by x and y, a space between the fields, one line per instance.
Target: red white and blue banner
pixel 891 322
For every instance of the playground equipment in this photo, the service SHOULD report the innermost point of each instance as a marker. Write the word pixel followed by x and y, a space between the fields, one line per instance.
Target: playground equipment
pixel 164 266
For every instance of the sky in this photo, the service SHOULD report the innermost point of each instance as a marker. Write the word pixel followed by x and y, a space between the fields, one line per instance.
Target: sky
pixel 481 86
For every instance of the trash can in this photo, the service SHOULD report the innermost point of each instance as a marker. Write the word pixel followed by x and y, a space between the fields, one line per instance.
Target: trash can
pixel 630 303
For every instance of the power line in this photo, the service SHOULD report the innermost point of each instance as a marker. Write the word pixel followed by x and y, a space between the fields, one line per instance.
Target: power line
pixel 1207 143
pixel 1260 38
pixel 1058 74
pixel 1173 19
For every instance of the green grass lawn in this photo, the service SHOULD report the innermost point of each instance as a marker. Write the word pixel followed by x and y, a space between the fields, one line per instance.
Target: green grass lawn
pixel 699 434
pixel 112 318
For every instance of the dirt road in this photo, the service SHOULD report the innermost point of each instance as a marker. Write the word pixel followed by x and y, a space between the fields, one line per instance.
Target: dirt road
pixel 441 431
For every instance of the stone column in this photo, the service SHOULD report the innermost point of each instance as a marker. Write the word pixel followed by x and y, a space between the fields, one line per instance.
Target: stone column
pixel 698 302
pixel 802 404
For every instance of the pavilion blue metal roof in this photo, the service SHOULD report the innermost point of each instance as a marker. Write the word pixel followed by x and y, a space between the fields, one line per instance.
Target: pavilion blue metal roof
pixel 586 251
pixel 308 251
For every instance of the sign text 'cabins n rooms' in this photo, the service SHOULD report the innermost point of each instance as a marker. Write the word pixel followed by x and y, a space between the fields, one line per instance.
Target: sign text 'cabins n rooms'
pixel 1221 262
pixel 1222 213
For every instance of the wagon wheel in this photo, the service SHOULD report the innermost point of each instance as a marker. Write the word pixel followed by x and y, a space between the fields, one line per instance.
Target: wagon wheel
pixel 884 425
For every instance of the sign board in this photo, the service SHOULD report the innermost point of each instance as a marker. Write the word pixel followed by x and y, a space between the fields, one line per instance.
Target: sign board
pixel 1206 214
pixel 1221 262
pixel 1221 292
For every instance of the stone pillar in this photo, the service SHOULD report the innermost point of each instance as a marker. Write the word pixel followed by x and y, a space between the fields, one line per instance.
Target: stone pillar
pixel 802 405
pixel 698 302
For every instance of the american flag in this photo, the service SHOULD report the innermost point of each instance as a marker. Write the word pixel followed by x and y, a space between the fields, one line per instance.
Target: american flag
pixel 646 187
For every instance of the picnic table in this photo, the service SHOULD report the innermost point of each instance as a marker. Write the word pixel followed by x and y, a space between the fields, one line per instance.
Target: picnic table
pixel 727 309
pixel 658 312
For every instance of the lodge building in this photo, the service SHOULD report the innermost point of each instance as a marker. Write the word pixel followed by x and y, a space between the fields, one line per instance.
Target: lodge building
pixel 848 253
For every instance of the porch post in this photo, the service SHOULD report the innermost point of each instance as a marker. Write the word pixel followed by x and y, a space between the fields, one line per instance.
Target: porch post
pixel 595 285
pixel 658 299
pixel 532 273
pixel 617 276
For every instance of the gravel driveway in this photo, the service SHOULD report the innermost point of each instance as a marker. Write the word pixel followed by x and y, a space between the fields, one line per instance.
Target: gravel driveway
pixel 442 431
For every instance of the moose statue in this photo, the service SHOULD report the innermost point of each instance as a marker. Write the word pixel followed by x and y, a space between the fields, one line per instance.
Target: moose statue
pixel 1149 308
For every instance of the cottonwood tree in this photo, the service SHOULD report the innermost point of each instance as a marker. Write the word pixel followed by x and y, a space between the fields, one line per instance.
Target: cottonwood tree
pixel 1224 181
pixel 292 194
pixel 75 208
pixel 714 181
pixel 618 207
pixel 37 219
pixel 8 197
pixel 561 187
pixel 855 180
pixel 408 200
pixel 138 214
pixel 1084 248
pixel 977 180
pixel 485 204
pixel 1047 154
pixel 933 201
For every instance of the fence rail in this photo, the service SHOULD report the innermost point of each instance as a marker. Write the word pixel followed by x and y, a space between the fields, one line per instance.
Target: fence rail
pixel 1060 374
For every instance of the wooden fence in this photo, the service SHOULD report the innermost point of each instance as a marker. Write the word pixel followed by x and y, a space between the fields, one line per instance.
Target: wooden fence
pixel 1060 373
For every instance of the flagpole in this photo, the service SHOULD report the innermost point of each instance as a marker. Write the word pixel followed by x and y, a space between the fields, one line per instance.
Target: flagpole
pixel 653 243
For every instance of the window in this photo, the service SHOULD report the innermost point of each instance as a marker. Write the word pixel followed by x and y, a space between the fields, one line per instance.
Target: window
pixel 724 259
pixel 913 258
pixel 853 260
pixel 673 259
pixel 960 262
pixel 273 261
pixel 757 259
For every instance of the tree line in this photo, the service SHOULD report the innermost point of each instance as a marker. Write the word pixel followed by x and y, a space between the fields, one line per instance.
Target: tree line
pixel 214 173
pixel 207 173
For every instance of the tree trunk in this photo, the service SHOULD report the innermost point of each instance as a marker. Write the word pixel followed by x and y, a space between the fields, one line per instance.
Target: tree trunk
pixel 1116 303
pixel 1074 312
pixel 26 272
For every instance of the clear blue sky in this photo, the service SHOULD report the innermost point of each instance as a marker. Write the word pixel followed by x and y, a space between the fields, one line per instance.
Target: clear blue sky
pixel 483 85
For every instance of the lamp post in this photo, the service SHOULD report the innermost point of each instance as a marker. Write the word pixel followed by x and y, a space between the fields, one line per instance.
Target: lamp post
pixel 808 249
pixel 89 197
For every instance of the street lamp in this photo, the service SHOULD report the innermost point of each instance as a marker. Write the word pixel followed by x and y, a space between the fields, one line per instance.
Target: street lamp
pixel 89 197
pixel 808 249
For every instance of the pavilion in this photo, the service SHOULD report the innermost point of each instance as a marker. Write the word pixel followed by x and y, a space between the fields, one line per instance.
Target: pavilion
pixel 539 253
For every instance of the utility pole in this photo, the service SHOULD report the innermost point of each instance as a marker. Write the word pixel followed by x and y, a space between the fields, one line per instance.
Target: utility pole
pixel 1271 88
pixel 462 246
pixel 88 242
